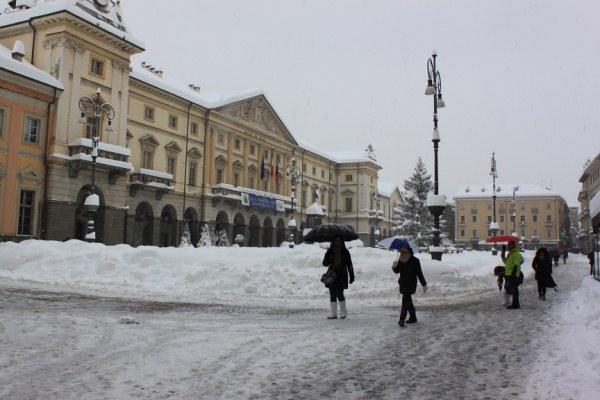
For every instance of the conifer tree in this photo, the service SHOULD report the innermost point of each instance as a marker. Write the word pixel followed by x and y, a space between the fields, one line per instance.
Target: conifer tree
pixel 206 239
pixel 186 237
pixel 413 219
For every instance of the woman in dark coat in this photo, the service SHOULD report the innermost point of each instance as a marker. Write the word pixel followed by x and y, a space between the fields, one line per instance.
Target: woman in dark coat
pixel 542 265
pixel 409 268
pixel 339 258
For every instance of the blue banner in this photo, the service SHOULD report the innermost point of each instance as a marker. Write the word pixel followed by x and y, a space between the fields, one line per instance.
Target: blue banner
pixel 262 202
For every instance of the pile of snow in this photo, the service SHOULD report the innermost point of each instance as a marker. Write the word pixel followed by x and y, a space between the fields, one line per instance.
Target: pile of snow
pixel 281 277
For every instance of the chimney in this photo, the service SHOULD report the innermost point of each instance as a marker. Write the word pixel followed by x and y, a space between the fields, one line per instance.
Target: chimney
pixel 194 87
pixel 18 51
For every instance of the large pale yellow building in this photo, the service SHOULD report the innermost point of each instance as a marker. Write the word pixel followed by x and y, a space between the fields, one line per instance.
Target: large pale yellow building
pixel 537 215
pixel 161 154
pixel 589 213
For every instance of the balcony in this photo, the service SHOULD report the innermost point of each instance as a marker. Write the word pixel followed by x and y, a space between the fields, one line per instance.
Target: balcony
pixel 111 158
pixel 473 211
pixel 251 198
pixel 150 180
pixel 535 210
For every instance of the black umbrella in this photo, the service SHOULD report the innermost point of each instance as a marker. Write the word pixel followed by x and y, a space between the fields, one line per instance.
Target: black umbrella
pixel 328 232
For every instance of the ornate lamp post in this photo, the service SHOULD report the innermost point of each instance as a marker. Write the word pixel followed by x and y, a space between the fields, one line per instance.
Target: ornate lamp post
pixel 93 107
pixel 494 227
pixel 293 172
pixel 514 211
pixel 436 202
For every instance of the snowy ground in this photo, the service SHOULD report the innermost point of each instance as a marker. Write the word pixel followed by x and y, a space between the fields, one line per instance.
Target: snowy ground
pixel 250 324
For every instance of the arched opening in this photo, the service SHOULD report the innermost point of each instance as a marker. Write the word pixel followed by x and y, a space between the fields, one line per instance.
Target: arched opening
pixel 143 230
pixel 268 232
pixel 280 231
pixel 82 217
pixel 222 224
pixel 168 226
pixel 239 228
pixel 190 217
pixel 254 232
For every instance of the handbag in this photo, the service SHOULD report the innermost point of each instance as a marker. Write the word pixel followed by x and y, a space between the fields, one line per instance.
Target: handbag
pixel 329 277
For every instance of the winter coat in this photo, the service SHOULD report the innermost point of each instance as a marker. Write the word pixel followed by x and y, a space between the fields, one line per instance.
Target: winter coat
pixel 542 268
pixel 342 271
pixel 409 272
pixel 512 263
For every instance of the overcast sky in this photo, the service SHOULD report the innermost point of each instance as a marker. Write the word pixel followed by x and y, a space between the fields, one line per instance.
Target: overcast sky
pixel 517 77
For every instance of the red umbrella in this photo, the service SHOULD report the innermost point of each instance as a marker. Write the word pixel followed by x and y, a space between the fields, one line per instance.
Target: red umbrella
pixel 502 238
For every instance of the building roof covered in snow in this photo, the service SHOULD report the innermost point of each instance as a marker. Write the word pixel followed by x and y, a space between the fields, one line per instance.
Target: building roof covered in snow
pixel 24 68
pixel 504 190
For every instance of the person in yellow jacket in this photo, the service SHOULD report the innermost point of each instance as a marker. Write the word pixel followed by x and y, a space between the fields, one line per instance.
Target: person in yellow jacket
pixel 512 272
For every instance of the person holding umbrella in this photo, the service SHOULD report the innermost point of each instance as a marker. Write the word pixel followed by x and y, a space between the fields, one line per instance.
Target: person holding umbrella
pixel 409 268
pixel 338 257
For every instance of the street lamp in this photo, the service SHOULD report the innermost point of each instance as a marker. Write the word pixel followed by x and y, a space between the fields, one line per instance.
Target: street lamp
pixel 293 172
pixel 92 106
pixel 436 203
pixel 494 227
pixel 514 211
pixel 378 202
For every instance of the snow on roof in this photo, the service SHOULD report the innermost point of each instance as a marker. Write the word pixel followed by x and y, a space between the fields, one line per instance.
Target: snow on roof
pixel 110 21
pixel 340 157
pixel 24 68
pixel 504 190
pixel 207 100
pixel 387 188
pixel 314 209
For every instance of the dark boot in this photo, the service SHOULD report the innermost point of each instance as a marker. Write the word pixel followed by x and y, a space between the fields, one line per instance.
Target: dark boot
pixel 413 315
pixel 403 311
pixel 515 303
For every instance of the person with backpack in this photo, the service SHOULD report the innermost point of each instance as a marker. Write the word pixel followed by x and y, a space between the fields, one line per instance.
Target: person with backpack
pixel 542 265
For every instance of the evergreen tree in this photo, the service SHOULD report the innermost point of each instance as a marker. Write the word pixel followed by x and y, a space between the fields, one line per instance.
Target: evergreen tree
pixel 413 219
pixel 186 238
pixel 223 239
pixel 206 239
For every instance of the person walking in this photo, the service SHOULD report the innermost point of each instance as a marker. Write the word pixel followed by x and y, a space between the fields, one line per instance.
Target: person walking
pixel 512 271
pixel 542 265
pixel 338 257
pixel 409 268
pixel 590 257
pixel 555 256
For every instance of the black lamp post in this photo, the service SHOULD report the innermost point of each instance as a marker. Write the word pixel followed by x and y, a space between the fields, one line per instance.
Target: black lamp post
pixel 494 227
pixel 294 173
pixel 435 203
pixel 93 107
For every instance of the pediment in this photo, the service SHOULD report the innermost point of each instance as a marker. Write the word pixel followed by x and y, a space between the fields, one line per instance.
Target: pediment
pixel 149 140
pixel 258 113
pixel 29 174
pixel 194 152
pixel 173 146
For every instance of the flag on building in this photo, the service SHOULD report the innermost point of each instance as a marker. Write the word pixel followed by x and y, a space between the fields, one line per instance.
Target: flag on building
pixel 277 177
pixel 262 168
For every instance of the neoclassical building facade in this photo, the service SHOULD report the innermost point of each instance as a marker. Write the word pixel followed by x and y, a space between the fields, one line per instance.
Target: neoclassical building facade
pixel 161 155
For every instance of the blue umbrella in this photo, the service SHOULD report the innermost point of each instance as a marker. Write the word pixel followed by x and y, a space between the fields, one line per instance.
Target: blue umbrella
pixel 395 243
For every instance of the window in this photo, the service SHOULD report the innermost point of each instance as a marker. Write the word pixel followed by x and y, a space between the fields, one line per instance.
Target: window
pixel 149 113
pixel 474 218
pixel 97 67
pixel 348 204
pixel 147 159
pixel 522 218
pixel 194 128
pixel 171 166
pixel 534 218
pixel 314 171
pixel 236 180
pixel 548 206
pixel 221 138
pixel 238 144
pixel 502 218
pixel 489 219
pixel 90 128
pixel 32 129
pixel 172 121
pixel 219 175
pixel 474 233
pixel 2 122
pixel 462 233
pixel 348 178
pixel 303 167
pixel 251 183
pixel 323 174
pixel 548 218
pixel 26 201
pixel 192 174
pixel 462 219
pixel 252 149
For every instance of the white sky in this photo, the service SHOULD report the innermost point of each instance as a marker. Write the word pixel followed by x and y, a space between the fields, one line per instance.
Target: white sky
pixel 517 77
